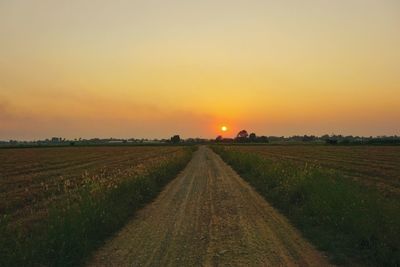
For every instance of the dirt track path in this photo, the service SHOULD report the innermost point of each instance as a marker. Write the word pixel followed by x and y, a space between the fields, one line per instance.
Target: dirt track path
pixel 208 216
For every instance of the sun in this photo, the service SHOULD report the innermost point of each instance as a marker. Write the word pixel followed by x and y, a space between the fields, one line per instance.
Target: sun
pixel 224 128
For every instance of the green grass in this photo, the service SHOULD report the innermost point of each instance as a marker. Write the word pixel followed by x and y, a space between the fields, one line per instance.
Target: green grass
pixel 350 222
pixel 77 226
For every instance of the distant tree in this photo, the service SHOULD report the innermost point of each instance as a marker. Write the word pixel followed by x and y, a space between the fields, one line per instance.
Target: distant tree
pixel 346 141
pixel 325 137
pixel 242 134
pixel 331 141
pixel 252 137
pixel 219 138
pixel 262 139
pixel 56 139
pixel 175 139
pixel 307 138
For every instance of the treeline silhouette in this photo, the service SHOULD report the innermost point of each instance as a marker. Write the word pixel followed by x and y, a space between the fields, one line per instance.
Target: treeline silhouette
pixel 243 137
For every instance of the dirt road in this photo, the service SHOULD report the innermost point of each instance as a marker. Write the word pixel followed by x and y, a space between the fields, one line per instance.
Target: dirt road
pixel 208 216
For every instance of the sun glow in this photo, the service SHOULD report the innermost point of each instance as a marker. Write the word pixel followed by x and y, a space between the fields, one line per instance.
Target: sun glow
pixel 198 68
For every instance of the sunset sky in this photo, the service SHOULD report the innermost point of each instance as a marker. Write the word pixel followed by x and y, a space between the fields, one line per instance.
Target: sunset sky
pixel 157 68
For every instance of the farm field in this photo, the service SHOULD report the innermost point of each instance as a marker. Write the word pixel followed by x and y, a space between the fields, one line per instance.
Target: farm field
pixel 307 205
pixel 376 166
pixel 344 199
pixel 58 204
pixel 32 179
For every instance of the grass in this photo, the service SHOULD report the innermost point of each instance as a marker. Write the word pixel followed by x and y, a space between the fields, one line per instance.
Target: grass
pixel 78 225
pixel 349 221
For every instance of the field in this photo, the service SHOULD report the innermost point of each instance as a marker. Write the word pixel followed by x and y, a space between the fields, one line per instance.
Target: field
pixel 44 175
pixel 302 204
pixel 344 199
pixel 43 188
pixel 376 166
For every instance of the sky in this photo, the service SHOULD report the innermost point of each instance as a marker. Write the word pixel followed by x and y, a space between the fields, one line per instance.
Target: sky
pixel 151 69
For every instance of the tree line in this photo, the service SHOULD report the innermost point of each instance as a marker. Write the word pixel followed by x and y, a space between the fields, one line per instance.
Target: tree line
pixel 244 137
pixel 241 137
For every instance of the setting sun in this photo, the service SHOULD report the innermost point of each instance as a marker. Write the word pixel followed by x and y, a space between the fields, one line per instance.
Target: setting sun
pixel 224 128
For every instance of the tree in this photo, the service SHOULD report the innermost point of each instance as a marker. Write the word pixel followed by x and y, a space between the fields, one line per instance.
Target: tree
pixel 175 139
pixel 242 136
pixel 331 141
pixel 252 137
pixel 219 138
pixel 262 139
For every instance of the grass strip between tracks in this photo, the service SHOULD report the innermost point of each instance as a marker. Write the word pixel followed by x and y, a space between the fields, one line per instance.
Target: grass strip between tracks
pixel 79 225
pixel 349 221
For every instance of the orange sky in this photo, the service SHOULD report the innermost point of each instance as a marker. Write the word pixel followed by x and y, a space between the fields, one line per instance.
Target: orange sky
pixel 157 68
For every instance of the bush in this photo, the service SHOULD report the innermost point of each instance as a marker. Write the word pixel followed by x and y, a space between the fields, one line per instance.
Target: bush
pixel 335 213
